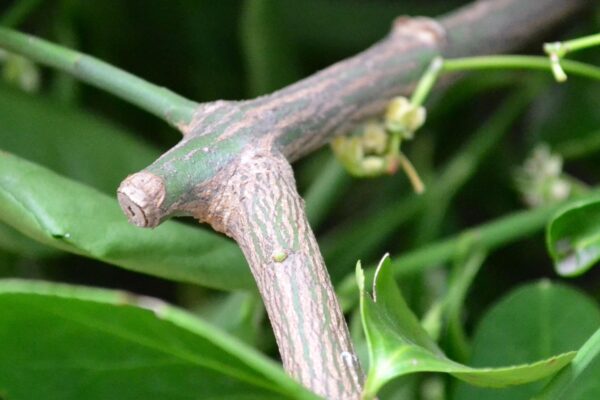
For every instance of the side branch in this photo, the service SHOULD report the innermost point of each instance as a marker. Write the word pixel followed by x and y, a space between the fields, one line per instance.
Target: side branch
pixel 304 116
pixel 157 100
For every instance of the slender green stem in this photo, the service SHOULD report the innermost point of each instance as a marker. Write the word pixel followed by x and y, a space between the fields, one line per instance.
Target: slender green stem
pixel 325 191
pixel 489 236
pixel 65 87
pixel 519 62
pixel 571 46
pixel 15 15
pixel 427 81
pixel 439 66
pixel 463 275
pixel 579 147
pixel 157 100
pixel 557 50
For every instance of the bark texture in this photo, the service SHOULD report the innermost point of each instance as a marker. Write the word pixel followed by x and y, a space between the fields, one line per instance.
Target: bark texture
pixel 259 207
pixel 231 169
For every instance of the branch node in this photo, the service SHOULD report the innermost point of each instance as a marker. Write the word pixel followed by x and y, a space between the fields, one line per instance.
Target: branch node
pixel 425 30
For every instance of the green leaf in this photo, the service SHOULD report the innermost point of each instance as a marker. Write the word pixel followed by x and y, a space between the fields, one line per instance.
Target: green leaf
pixel 68 141
pixel 13 242
pixel 240 314
pixel 66 342
pixel 447 312
pixel 329 28
pixel 269 54
pixel 534 321
pixel 566 118
pixel 73 217
pixel 573 237
pixel 83 147
pixel 579 381
pixel 398 344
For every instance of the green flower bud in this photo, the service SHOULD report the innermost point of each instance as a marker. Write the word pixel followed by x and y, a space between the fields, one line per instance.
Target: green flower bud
pixel 374 139
pixel 403 117
pixel 373 166
pixel 541 179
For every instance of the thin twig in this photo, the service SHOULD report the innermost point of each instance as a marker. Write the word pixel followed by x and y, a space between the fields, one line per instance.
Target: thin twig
pixel 157 100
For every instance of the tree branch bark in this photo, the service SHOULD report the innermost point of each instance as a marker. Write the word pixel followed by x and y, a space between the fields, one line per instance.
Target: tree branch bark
pixel 259 207
pixel 232 170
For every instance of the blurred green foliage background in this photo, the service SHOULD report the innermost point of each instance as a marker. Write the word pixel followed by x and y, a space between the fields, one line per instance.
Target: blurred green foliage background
pixel 209 50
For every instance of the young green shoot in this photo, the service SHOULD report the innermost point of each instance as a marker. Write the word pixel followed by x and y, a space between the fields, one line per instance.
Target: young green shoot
pixel 558 50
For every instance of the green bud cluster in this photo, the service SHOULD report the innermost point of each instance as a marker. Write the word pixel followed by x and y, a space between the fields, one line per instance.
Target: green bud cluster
pixel 373 149
pixel 403 117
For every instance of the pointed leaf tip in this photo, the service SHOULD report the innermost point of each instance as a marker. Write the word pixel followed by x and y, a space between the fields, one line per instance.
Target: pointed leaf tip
pixel 399 345
pixel 383 264
pixel 360 277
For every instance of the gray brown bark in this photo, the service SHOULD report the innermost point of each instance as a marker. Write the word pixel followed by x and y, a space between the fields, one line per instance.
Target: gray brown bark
pixel 257 204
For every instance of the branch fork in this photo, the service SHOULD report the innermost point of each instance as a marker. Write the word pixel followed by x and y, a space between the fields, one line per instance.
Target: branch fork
pixel 232 170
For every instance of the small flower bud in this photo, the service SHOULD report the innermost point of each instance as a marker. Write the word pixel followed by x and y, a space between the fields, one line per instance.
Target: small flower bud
pixel 541 180
pixel 373 166
pixel 403 117
pixel 375 138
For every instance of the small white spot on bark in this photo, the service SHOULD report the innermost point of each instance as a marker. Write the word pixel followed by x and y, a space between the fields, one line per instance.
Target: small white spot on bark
pixel 350 361
pixel 279 255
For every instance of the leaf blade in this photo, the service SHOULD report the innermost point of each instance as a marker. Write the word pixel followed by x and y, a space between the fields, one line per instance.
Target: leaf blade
pixel 398 344
pixel 573 237
pixel 76 218
pixel 579 381
pixel 544 319
pixel 105 344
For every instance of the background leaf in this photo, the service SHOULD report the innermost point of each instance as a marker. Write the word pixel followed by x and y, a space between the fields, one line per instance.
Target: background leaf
pixel 66 342
pixel 76 218
pixel 532 322
pixel 578 381
pixel 573 238
pixel 83 147
pixel 71 142
pixel 270 55
pixel 398 344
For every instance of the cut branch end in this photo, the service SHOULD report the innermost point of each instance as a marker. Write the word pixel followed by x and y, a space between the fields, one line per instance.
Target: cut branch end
pixel 141 196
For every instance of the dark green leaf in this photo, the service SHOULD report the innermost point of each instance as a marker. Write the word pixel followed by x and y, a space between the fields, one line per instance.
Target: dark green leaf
pixel 240 314
pixel 573 237
pixel 334 27
pixel 532 322
pixel 269 54
pixel 579 381
pixel 398 344
pixel 76 218
pixel 13 242
pixel 566 117
pixel 447 312
pixel 70 142
pixel 65 342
